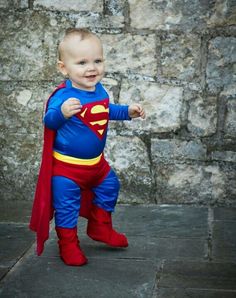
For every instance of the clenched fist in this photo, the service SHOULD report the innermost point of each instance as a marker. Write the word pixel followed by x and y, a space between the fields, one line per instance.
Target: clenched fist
pixel 71 107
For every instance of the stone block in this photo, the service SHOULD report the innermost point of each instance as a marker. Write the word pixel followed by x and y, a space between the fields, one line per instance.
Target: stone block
pixel 22 106
pixel 21 137
pixel 130 53
pixel 224 156
pixel 162 103
pixel 220 71
pixel 180 57
pixel 98 22
pixel 20 162
pixel 227 99
pixel 202 116
pixel 69 5
pixel 230 121
pixel 13 4
pixel 169 150
pixel 222 13
pixel 166 15
pixel 193 183
pixel 129 157
pixel 112 87
pixel 115 7
pixel 32 37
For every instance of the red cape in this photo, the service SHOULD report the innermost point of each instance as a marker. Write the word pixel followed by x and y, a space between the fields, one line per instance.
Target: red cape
pixel 42 211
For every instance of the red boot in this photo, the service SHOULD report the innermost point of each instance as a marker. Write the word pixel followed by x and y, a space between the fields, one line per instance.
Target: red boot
pixel 70 251
pixel 100 228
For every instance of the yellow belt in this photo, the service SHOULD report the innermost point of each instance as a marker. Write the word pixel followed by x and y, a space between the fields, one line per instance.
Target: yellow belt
pixel 77 161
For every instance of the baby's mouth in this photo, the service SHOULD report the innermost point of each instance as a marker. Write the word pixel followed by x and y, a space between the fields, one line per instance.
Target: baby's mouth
pixel 91 76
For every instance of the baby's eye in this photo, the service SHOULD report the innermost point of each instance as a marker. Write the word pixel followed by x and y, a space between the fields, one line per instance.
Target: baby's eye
pixel 81 62
pixel 98 61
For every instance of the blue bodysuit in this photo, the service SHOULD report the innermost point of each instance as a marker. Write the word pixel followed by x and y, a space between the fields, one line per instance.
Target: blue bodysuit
pixel 79 144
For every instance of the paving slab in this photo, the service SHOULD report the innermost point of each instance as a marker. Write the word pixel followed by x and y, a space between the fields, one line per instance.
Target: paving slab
pixel 224 241
pixel 139 248
pixel 15 211
pixel 174 251
pixel 163 221
pixel 15 240
pixel 49 277
pixel 3 271
pixel 224 213
pixel 224 234
pixel 194 293
pixel 202 275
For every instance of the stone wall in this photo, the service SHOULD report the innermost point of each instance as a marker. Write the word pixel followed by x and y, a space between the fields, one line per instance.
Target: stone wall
pixel 177 58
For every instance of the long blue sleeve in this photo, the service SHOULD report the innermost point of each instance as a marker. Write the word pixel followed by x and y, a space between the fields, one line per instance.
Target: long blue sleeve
pixel 54 118
pixel 118 112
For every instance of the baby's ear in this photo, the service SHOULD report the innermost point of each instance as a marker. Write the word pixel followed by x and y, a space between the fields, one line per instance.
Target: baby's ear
pixel 61 67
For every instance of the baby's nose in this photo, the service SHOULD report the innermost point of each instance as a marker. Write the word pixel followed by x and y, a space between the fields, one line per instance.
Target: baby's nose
pixel 91 66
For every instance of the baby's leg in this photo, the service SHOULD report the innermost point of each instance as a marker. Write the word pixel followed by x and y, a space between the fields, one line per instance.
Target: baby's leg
pixel 100 221
pixel 106 193
pixel 66 202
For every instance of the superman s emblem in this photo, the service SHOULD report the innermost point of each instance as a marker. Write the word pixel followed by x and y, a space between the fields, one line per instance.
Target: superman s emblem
pixel 96 115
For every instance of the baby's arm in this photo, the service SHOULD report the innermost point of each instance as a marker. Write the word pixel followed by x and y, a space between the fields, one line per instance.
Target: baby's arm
pixel 124 112
pixel 136 110
pixel 58 111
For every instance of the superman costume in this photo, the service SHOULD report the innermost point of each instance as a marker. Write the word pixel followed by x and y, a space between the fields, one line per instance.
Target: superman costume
pixel 75 179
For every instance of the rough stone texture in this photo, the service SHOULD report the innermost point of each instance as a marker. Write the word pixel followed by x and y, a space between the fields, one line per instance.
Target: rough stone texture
pixel 70 5
pixel 13 4
pixel 32 39
pixel 177 58
pixel 169 14
pixel 98 22
pixel 162 103
pixel 230 121
pixel 190 15
pixel 180 56
pixel 22 146
pixel 134 172
pixel 224 156
pixel 115 7
pixel 195 183
pixel 221 63
pixel 202 116
pixel 222 13
pixel 169 150
pixel 132 53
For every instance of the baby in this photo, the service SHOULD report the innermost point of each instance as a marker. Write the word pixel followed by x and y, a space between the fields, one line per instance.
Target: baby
pixel 78 114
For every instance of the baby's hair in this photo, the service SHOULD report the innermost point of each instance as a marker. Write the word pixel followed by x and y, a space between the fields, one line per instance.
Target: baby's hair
pixel 82 33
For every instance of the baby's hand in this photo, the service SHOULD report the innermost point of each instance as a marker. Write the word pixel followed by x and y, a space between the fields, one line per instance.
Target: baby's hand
pixel 71 107
pixel 136 110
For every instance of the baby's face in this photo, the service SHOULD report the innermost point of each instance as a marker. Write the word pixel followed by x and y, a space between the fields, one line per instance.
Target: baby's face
pixel 83 62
